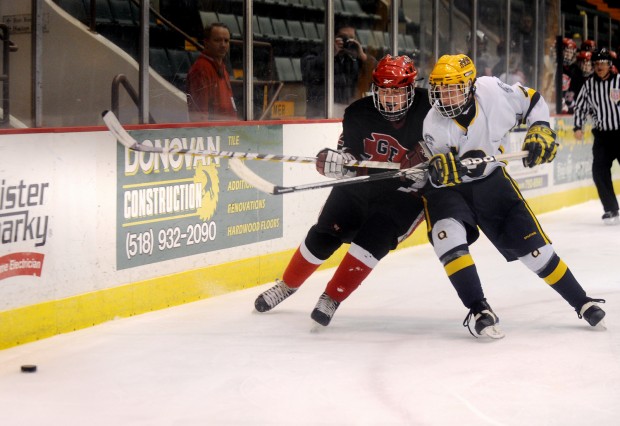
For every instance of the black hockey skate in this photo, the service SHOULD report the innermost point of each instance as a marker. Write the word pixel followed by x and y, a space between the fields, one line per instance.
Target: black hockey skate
pixel 611 218
pixel 324 310
pixel 593 313
pixel 269 299
pixel 487 323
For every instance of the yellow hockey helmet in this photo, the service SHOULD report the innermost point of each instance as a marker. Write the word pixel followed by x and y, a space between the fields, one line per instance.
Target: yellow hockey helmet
pixel 452 82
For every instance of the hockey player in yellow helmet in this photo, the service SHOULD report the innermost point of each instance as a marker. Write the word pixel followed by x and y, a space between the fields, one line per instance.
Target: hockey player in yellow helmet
pixel 472 118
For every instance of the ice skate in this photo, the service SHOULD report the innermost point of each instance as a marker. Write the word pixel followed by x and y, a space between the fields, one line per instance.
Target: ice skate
pixel 324 310
pixel 611 218
pixel 593 313
pixel 270 298
pixel 487 323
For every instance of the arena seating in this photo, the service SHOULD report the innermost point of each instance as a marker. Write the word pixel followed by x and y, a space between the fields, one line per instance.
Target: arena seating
pixel 290 27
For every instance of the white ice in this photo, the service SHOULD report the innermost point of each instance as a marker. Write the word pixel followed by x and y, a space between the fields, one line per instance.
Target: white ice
pixel 396 352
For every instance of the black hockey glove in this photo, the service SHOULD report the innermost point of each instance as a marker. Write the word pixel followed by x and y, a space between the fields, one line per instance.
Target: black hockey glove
pixel 446 169
pixel 540 143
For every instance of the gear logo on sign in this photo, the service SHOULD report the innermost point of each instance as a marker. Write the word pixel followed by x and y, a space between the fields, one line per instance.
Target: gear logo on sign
pixel 209 180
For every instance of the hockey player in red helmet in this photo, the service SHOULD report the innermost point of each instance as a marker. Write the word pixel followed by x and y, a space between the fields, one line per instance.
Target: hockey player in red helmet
pixel 584 61
pixel 578 73
pixel 393 84
pixel 570 51
pixel 374 217
pixel 572 77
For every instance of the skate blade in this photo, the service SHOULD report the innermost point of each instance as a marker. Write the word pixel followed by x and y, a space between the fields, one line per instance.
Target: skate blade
pixel 601 326
pixel 315 327
pixel 493 332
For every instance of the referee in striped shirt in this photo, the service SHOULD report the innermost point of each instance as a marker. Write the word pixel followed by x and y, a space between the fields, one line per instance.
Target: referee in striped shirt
pixel 599 97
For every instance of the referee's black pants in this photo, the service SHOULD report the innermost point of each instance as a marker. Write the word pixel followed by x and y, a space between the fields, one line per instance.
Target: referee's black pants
pixel 605 150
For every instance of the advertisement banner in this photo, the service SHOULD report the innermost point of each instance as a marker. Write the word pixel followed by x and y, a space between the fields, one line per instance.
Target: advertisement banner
pixel 24 224
pixel 573 162
pixel 527 178
pixel 174 205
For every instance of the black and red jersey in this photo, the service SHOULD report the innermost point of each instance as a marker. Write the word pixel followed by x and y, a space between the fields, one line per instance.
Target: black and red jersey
pixel 369 136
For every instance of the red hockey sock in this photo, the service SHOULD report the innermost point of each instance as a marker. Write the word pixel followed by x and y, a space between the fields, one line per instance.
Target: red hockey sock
pixel 299 269
pixel 348 276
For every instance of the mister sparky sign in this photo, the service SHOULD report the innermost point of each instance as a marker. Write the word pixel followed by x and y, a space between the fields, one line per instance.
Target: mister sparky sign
pixel 21 224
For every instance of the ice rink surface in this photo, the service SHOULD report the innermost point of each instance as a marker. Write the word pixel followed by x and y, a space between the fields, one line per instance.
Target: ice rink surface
pixel 396 352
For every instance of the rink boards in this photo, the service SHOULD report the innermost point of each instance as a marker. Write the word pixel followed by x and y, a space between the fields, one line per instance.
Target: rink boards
pixel 92 232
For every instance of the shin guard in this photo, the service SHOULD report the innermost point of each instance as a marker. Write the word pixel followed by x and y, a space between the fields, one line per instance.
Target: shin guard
pixel 356 265
pixel 557 274
pixel 302 265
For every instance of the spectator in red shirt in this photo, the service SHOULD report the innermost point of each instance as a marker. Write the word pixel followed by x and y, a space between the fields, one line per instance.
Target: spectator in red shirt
pixel 209 94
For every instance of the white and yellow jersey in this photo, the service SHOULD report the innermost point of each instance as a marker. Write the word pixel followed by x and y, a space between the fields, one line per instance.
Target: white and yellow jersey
pixel 498 108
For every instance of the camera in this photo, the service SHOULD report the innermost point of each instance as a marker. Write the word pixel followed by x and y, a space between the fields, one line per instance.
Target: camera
pixel 347 43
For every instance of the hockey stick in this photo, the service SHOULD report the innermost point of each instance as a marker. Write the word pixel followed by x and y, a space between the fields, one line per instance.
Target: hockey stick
pixel 117 130
pixel 241 170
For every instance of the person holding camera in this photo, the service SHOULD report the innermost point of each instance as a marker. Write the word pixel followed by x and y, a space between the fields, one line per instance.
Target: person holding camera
pixel 350 61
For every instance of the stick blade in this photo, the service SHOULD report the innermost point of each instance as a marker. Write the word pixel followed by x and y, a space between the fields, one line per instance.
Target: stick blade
pixel 116 128
pixel 242 171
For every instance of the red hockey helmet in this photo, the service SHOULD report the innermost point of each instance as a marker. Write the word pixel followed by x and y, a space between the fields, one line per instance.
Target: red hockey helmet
pixel 570 51
pixel 584 55
pixel 588 45
pixel 584 60
pixel 393 84
pixel 569 42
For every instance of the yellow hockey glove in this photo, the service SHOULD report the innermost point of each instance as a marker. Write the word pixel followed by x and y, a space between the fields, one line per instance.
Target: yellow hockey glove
pixel 446 169
pixel 540 143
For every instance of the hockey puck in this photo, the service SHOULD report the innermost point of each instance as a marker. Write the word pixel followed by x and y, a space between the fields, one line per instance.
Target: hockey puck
pixel 29 368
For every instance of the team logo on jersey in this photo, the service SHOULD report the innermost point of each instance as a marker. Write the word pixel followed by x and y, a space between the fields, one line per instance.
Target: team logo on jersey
pixel 506 88
pixel 614 94
pixel 381 147
pixel 429 139
pixel 565 82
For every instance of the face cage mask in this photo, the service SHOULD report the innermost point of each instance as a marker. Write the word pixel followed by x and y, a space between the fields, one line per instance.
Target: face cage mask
pixel 586 68
pixel 399 99
pixel 454 109
pixel 570 55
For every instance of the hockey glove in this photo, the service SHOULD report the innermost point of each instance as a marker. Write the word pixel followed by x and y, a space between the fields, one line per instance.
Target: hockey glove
pixel 540 143
pixel 330 163
pixel 446 169
pixel 419 154
pixel 417 161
